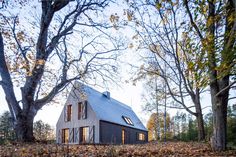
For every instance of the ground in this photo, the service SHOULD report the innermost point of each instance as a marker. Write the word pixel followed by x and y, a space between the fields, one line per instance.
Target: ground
pixel 174 149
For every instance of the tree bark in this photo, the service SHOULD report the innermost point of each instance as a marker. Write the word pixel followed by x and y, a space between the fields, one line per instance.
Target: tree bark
pixel 200 122
pixel 24 128
pixel 200 125
pixel 219 109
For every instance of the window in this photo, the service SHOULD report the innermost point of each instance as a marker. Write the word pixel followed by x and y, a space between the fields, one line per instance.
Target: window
pixel 82 110
pixel 65 135
pixel 128 120
pixel 123 136
pixel 141 136
pixel 68 113
pixel 84 134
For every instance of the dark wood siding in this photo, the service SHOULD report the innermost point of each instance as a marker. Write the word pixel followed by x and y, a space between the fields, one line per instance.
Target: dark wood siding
pixel 111 133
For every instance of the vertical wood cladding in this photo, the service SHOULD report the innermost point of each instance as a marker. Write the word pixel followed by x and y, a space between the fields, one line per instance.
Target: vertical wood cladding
pixel 111 133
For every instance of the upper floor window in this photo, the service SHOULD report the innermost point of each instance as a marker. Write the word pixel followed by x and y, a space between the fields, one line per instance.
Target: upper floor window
pixel 128 120
pixel 68 113
pixel 82 110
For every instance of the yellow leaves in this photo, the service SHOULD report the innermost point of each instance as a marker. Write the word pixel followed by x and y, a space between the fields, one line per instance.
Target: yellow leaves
pixel 231 18
pixel 6 34
pixel 40 62
pixel 155 48
pixel 114 18
pixel 158 5
pixel 190 66
pixel 20 36
pixel 131 45
pixel 130 15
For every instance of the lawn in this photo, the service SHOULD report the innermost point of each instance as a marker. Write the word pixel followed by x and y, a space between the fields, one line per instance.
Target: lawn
pixel 151 149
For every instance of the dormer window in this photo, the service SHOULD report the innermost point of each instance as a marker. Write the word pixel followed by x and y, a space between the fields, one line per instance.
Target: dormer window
pixel 82 110
pixel 128 120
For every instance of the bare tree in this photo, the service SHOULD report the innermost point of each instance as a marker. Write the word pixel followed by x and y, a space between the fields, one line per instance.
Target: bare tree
pixel 170 59
pixel 70 43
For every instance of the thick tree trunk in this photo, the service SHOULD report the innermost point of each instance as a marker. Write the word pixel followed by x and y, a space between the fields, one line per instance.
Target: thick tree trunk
pixel 24 128
pixel 218 140
pixel 219 98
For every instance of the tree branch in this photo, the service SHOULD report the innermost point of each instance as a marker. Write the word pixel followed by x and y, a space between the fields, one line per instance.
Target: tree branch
pixel 192 21
pixel 226 88
pixel 6 82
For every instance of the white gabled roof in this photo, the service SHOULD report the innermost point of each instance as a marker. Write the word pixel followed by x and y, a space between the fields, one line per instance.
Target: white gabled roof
pixel 109 109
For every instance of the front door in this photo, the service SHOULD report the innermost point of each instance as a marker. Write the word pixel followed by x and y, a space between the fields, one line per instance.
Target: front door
pixel 123 133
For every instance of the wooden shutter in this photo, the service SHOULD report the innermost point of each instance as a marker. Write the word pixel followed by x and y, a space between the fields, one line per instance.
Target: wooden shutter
pixel 63 136
pixel 76 135
pixel 91 134
pixel 59 135
pixel 81 135
pixel 65 113
pixel 84 110
pixel 71 135
pixel 79 110
pixel 69 112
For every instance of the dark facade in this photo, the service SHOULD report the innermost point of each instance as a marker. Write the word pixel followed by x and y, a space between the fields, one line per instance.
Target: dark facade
pixel 111 133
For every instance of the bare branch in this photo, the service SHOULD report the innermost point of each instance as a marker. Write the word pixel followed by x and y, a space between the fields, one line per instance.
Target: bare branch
pixel 192 21
pixel 226 88
pixel 6 82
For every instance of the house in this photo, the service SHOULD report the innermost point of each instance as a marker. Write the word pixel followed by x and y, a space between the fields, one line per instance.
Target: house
pixel 93 117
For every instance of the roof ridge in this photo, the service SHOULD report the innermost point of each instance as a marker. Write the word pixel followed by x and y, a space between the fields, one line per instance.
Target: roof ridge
pixel 111 98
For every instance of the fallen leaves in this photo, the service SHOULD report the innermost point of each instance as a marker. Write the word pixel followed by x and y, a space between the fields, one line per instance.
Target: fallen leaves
pixel 174 149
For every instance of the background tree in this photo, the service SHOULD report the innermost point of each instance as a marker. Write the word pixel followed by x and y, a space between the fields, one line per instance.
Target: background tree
pixel 159 32
pixel 43 131
pixel 231 125
pixel 67 42
pixel 192 129
pixel 152 127
pixel 6 127
pixel 208 125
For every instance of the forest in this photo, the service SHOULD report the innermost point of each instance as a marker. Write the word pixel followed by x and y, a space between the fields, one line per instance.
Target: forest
pixel 182 51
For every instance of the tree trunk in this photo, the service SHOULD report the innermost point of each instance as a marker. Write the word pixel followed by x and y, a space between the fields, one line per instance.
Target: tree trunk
pixel 218 140
pixel 219 99
pixel 200 125
pixel 24 128
pixel 200 122
pixel 199 116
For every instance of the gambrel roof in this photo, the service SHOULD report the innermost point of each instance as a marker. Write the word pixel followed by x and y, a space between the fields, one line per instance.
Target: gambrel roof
pixel 109 109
